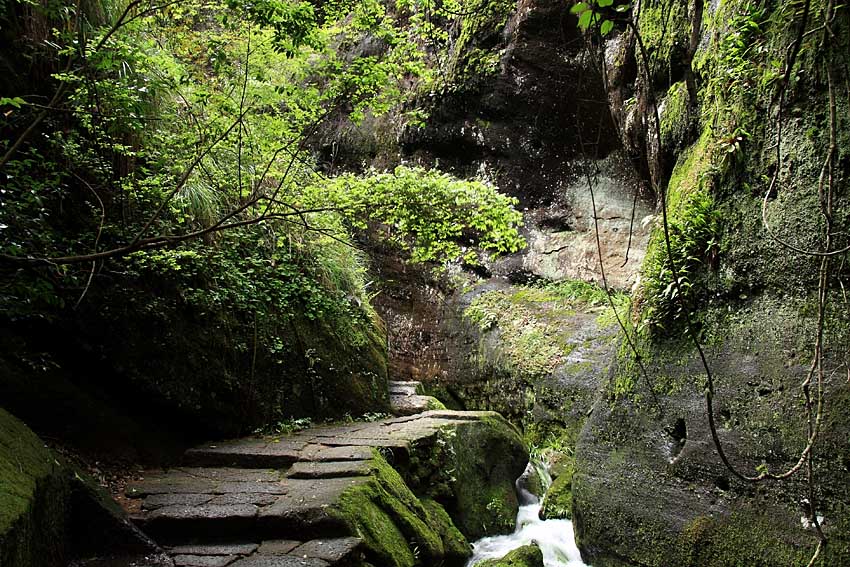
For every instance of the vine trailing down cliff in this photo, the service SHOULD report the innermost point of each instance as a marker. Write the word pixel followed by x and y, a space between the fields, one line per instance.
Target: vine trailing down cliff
pixel 721 438
pixel 164 235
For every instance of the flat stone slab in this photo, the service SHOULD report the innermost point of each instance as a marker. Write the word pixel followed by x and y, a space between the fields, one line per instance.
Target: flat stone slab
pixel 280 561
pixel 255 498
pixel 316 452
pixel 204 512
pixel 405 388
pixel 255 452
pixel 204 560
pixel 305 509
pixel 156 501
pixel 206 481
pixel 278 546
pixel 332 550
pixel 215 549
pixel 329 469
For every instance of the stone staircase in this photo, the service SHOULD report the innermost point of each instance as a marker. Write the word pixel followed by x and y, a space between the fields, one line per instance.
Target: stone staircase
pixel 407 398
pixel 276 501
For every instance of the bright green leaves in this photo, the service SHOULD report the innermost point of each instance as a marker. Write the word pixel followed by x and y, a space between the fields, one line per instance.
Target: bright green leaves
pixel 593 13
pixel 294 23
pixel 437 217
pixel 14 102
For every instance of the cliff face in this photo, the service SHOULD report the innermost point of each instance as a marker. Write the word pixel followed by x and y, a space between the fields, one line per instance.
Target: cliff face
pixel 521 104
pixel 649 483
pixel 649 486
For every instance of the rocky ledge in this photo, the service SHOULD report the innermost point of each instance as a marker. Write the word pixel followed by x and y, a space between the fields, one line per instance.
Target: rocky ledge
pixel 399 492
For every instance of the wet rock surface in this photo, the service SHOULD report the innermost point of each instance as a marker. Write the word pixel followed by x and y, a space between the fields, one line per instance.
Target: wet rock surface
pixel 308 498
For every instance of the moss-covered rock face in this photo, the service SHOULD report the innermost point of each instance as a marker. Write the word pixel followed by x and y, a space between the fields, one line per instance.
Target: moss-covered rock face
pixel 487 458
pixel 34 494
pixel 397 529
pixel 471 469
pixel 648 484
pixel 453 487
pixel 558 501
pixel 51 513
pixel 649 487
pixel 535 354
pixel 525 556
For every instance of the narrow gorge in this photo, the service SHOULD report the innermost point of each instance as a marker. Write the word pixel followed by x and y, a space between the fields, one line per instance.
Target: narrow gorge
pixel 401 283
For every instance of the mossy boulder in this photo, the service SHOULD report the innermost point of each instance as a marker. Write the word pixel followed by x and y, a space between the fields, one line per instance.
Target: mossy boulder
pixel 470 467
pixel 487 457
pixel 525 556
pixel 648 486
pixel 534 353
pixel 51 513
pixel 34 495
pixel 397 529
pixel 559 498
pixel 455 546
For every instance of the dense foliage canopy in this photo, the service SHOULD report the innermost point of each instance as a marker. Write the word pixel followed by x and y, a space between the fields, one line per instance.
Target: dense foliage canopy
pixel 176 139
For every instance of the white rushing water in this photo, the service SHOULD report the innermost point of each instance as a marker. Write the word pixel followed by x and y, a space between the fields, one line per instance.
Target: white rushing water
pixel 554 537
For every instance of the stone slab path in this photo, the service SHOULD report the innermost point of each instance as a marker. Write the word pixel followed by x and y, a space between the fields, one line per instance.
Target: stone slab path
pixel 269 501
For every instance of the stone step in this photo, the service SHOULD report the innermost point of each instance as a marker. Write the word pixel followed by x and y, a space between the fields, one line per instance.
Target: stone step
pixel 326 552
pixel 259 452
pixel 307 509
pixel 407 398
pixel 329 469
pixel 412 404
pixel 182 504
pixel 405 388
pixel 209 481
pixel 241 502
pixel 324 443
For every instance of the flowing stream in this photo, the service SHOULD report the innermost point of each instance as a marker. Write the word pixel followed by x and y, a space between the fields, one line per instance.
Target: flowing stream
pixel 554 537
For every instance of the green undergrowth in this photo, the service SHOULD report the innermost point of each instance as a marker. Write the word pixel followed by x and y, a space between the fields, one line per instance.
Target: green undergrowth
pixel 528 320
pixel 694 241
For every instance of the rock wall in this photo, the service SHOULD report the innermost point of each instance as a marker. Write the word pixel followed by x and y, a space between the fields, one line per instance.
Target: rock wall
pixel 520 96
pixel 51 514
pixel 33 499
pixel 649 486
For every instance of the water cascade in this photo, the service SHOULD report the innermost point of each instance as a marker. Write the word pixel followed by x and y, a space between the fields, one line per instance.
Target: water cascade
pixel 554 537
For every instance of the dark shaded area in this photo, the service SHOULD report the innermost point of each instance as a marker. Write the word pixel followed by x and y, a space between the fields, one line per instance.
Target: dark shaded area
pixel 545 108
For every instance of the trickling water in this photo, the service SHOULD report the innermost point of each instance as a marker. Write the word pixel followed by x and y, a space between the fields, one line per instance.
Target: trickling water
pixel 554 537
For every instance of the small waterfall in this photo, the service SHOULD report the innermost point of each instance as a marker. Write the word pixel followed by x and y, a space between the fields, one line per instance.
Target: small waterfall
pixel 554 537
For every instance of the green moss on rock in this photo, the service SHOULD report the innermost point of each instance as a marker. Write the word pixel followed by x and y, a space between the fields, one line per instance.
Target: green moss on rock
pixel 559 498
pixel 457 548
pixel 397 529
pixel 665 29
pixel 33 499
pixel 473 57
pixel 525 556
pixel 676 119
pixel 485 501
